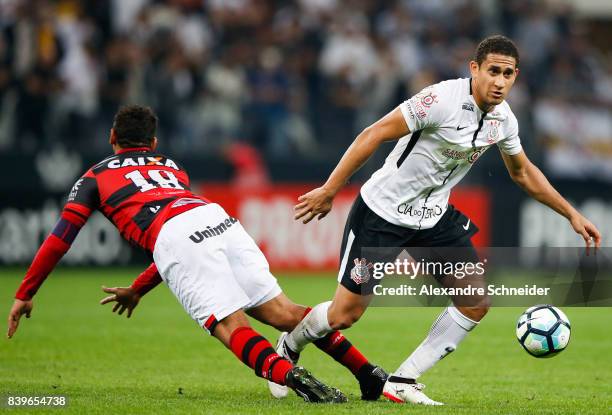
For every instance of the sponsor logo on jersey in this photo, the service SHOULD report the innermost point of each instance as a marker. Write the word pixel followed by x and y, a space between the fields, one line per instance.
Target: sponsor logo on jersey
pixel 471 156
pixel 141 161
pixel 75 190
pixel 472 159
pixel 420 111
pixel 455 154
pixel 210 232
pixel 423 212
pixel 416 109
pixel 468 106
pixel 410 111
pixel 360 273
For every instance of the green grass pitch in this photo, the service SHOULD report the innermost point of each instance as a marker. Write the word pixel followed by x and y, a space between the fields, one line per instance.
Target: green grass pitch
pixel 159 361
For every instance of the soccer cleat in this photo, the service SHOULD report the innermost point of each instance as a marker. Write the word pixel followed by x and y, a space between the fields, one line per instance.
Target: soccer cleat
pixel 281 391
pixel 403 390
pixel 371 381
pixel 312 390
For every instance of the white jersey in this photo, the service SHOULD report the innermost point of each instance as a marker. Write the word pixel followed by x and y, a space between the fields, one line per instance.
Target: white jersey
pixel 448 134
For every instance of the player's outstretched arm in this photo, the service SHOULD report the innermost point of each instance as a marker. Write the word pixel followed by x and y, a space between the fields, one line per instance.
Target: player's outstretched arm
pixel 50 252
pixel 82 200
pixel 127 298
pixel 318 202
pixel 532 180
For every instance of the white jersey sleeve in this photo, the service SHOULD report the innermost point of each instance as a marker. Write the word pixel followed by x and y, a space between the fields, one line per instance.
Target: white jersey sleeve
pixel 425 109
pixel 511 143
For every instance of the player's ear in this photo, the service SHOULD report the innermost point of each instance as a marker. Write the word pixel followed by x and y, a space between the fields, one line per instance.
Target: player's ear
pixel 473 68
pixel 154 143
pixel 113 137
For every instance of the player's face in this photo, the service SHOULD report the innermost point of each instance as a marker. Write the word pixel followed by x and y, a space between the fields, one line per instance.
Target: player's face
pixel 493 79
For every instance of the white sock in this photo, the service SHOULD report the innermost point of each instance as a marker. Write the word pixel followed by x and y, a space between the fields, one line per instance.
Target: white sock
pixel 449 329
pixel 312 327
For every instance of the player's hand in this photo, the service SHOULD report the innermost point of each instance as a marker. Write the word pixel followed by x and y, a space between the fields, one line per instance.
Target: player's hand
pixel 317 202
pixel 19 308
pixel 126 298
pixel 587 230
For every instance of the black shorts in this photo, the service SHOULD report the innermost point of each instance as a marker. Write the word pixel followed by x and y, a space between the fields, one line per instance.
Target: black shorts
pixel 365 231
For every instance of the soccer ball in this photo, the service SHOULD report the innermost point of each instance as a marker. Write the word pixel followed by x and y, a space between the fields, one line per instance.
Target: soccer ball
pixel 543 330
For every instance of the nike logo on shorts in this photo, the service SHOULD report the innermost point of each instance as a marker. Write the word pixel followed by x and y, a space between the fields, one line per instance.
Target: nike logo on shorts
pixel 467 225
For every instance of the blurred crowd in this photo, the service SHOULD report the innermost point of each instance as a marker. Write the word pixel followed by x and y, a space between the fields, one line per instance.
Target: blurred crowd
pixel 289 78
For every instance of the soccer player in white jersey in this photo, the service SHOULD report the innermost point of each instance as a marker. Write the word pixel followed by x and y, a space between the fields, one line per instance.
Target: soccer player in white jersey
pixel 440 133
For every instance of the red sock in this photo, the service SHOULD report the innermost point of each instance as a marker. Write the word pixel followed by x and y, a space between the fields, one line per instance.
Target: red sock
pixel 338 347
pixel 257 353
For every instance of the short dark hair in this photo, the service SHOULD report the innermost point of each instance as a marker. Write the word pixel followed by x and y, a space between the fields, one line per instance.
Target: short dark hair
pixel 496 44
pixel 135 126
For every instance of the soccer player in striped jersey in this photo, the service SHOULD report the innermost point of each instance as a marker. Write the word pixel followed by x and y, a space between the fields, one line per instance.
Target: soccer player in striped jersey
pixel 207 259
pixel 440 133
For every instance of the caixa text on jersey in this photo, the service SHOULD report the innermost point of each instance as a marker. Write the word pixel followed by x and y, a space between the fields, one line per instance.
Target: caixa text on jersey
pixel 142 161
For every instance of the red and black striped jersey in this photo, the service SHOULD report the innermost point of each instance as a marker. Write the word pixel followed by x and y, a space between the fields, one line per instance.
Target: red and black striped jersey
pixel 137 189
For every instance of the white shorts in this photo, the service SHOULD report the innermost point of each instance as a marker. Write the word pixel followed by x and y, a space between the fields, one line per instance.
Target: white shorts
pixel 212 265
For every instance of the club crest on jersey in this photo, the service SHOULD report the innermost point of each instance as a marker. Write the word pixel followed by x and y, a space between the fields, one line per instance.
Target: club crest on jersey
pixel 493 133
pixel 421 102
pixel 429 99
pixel 141 161
pixel 361 271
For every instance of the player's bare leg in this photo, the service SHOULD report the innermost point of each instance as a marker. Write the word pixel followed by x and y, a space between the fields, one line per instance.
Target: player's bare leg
pixel 225 328
pixel 449 329
pixel 255 351
pixel 346 308
pixel 280 313
pixel 319 325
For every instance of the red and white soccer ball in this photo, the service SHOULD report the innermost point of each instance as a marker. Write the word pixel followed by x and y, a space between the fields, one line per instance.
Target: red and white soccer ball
pixel 543 330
